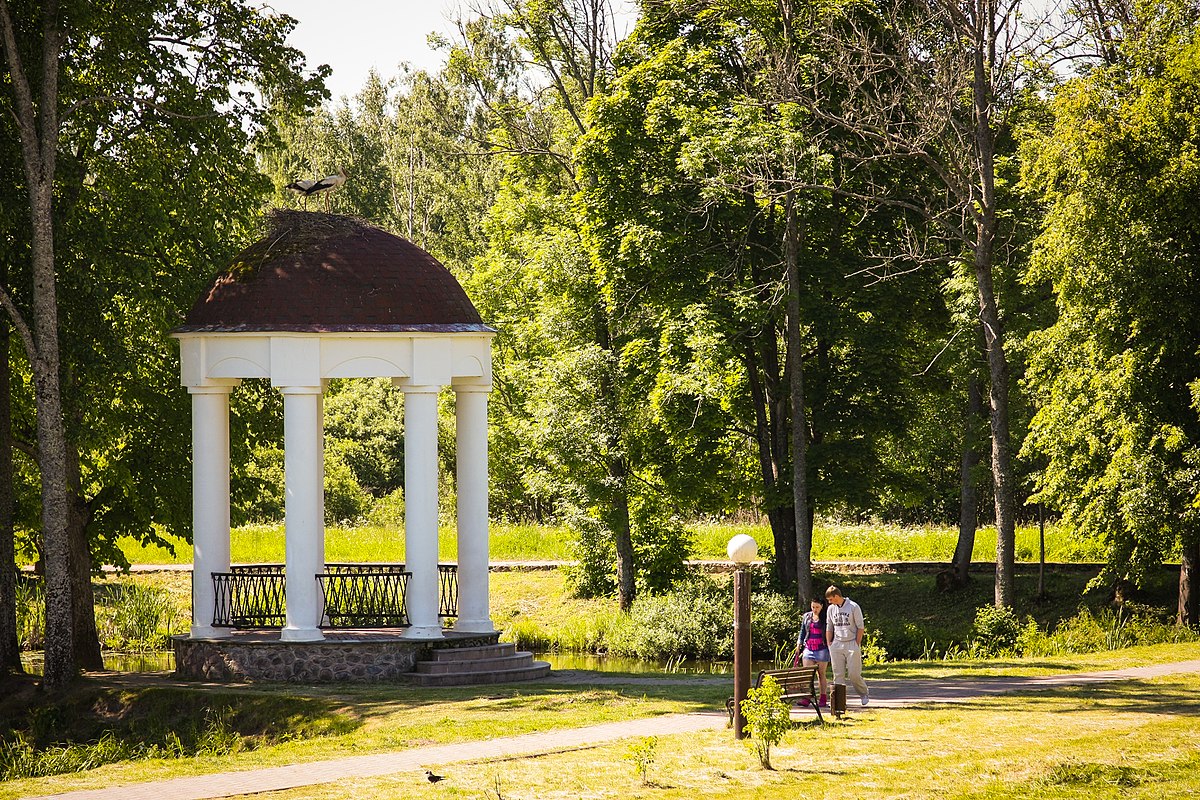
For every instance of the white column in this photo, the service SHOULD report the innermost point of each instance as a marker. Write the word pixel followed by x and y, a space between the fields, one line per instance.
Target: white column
pixel 210 502
pixel 421 510
pixel 471 426
pixel 304 511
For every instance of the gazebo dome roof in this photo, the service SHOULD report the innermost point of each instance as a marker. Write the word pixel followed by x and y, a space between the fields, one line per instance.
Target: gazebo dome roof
pixel 316 272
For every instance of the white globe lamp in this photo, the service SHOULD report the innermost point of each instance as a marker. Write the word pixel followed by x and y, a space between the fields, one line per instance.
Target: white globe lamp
pixel 742 549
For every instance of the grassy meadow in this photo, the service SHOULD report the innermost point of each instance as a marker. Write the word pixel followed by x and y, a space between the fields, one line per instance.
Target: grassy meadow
pixel 831 542
pixel 1133 739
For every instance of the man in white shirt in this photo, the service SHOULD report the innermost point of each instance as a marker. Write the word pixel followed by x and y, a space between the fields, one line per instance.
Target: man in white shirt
pixel 844 632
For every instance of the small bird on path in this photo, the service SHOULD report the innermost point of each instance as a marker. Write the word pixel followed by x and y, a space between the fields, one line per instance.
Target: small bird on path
pixel 429 776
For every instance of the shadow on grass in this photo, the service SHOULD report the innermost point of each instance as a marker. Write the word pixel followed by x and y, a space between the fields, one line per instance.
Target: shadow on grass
pixel 1119 696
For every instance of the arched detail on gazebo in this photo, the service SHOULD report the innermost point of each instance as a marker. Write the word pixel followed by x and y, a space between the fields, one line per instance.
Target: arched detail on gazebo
pixel 324 297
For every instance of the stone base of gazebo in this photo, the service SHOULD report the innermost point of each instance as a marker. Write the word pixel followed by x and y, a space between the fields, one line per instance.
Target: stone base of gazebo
pixel 345 655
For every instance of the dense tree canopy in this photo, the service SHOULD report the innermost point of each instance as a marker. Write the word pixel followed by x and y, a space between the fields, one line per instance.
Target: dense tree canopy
pixel 762 257
pixel 1118 424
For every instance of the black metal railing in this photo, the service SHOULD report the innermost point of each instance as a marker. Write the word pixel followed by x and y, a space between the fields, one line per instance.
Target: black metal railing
pixel 447 590
pixel 354 595
pixel 249 596
pixel 365 595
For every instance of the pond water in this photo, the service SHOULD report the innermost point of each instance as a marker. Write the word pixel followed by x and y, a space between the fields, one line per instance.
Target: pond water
pixel 164 661
pixel 152 661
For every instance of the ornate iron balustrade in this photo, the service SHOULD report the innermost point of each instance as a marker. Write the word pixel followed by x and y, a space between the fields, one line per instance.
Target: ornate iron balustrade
pixel 365 595
pixel 355 595
pixel 447 590
pixel 249 597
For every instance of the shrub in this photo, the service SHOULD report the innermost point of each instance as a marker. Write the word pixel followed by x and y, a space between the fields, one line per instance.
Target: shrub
pixel 995 631
pixel 594 553
pixel 767 717
pixel 694 621
pixel 387 511
pixel 774 622
pixel 345 500
pixel 874 649
pixel 1088 632
pixel 661 546
pixel 908 641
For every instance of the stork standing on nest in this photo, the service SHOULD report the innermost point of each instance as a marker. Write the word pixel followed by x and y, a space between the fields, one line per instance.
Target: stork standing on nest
pixel 305 188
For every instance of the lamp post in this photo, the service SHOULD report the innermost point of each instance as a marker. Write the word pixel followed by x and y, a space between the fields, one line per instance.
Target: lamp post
pixel 742 550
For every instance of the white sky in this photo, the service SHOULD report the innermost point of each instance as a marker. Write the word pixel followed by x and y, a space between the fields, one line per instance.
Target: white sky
pixel 352 36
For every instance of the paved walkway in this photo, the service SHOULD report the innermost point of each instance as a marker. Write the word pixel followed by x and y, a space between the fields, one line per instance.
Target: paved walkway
pixel 884 693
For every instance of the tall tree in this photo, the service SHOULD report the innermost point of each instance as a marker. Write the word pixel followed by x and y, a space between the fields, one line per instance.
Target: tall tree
pixel 535 67
pixel 1119 426
pixel 934 83
pixel 85 82
pixel 703 178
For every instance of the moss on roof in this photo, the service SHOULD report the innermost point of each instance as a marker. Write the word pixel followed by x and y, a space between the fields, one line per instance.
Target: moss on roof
pixel 289 233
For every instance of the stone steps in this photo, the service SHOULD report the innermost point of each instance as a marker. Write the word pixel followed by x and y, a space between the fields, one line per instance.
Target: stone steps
pixel 474 653
pixel 471 666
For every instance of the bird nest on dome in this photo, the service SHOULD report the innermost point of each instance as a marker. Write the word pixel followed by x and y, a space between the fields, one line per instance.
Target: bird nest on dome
pixel 288 233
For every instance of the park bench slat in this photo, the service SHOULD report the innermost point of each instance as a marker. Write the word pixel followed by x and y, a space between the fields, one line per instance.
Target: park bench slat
pixel 797 683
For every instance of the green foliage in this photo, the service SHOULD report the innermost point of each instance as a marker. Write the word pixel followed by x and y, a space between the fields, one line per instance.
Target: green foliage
pixel 641 754
pixel 31 614
pixel 136 618
pixel 136 236
pixel 774 621
pixel 1117 172
pixel 767 717
pixel 346 501
pixel 592 548
pixel 995 631
pixel 1092 632
pixel 694 621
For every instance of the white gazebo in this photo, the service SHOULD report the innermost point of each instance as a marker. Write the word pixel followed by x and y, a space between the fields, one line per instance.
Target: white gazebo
pixel 322 297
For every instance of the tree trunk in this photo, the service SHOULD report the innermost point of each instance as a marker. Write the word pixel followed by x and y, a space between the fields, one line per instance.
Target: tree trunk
pixel 781 516
pixel 60 659
pixel 1189 592
pixel 617 498
pixel 10 652
pixel 83 599
pixel 984 209
pixel 38 128
pixel 968 497
pixel 799 420
pixel 623 537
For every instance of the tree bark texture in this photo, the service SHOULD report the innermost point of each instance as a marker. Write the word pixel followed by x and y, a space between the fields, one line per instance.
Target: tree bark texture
pixel 968 496
pixel 10 652
pixel 1189 584
pixel 770 435
pixel 38 128
pixel 798 417
pixel 617 498
pixel 623 537
pixel 83 598
pixel 984 57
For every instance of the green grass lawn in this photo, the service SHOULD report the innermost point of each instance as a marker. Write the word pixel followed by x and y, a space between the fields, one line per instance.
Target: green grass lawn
pixel 831 542
pixel 264 544
pixel 1129 739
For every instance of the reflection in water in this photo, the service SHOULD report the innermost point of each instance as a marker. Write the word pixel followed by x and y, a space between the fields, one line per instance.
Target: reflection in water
pixel 164 661
pixel 618 664
pixel 152 661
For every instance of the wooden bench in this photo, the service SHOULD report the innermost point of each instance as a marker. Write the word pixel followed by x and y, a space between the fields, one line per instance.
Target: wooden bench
pixel 798 683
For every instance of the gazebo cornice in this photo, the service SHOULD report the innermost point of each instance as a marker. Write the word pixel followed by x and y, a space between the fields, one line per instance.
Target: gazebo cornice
pixel 363 330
